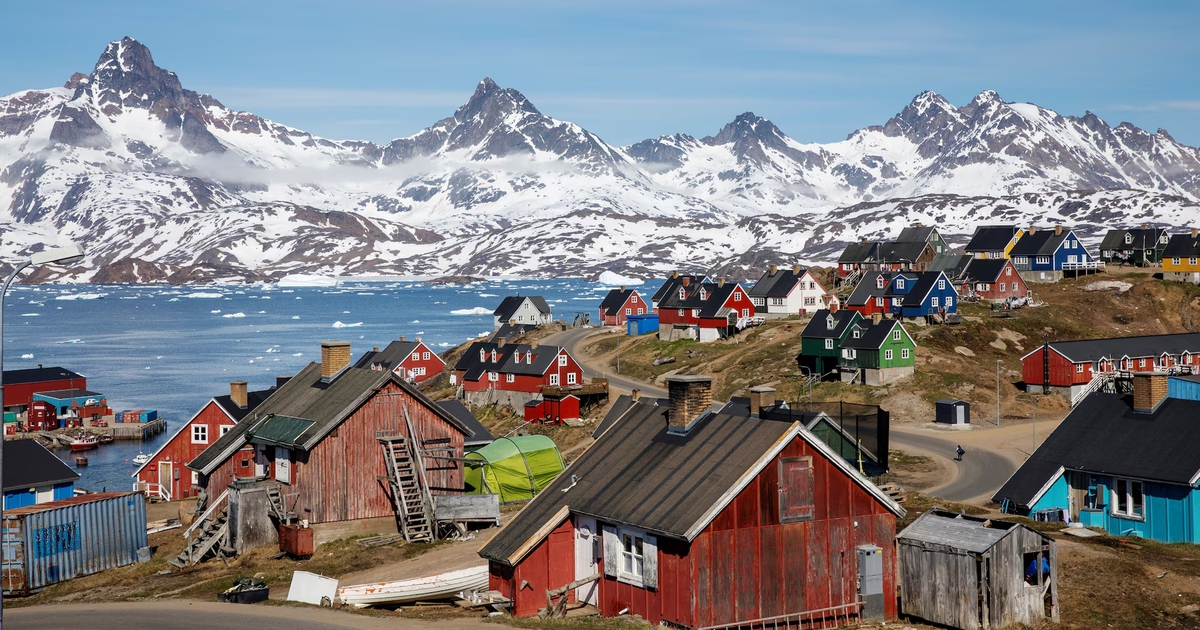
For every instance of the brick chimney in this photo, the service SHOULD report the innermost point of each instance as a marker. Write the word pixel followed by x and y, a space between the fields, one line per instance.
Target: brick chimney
pixel 689 395
pixel 773 268
pixel 795 270
pixel 917 224
pixel 760 396
pixel 686 281
pixel 403 338
pixel 335 357
pixel 876 318
pixel 622 288
pixel 863 239
pixel 1149 390
pixel 1145 226
pixel 720 282
pixel 1058 230
pixel 1194 233
pixel 501 342
pixel 1032 229
pixel 636 395
pixel 237 391
pixel 674 274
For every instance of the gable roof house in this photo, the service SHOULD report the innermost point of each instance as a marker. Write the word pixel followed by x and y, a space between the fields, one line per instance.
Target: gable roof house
pixel 857 257
pixel 1126 463
pixel 1180 258
pixel 904 256
pixel 619 304
pixel 881 292
pixel 1043 255
pixel 991 279
pixel 671 286
pixel 163 477
pixel 321 441
pixel 821 340
pixel 924 234
pixel 784 292
pixel 932 296
pixel 514 374
pixel 710 311
pixel 410 360
pixel 516 309
pixel 1073 365
pixel 1142 246
pixel 33 475
pixel 691 517
pixel 993 241
pixel 877 352
pixel 21 385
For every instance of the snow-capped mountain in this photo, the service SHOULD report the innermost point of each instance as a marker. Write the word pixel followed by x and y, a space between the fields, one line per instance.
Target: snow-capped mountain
pixel 161 183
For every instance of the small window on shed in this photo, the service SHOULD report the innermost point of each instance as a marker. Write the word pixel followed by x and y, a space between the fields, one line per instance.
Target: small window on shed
pixel 795 489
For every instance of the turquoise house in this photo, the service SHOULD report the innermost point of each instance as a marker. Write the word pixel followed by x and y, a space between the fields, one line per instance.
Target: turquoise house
pixel 1125 463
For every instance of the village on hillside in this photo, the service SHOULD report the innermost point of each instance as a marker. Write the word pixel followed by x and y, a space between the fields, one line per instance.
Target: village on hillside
pixel 989 436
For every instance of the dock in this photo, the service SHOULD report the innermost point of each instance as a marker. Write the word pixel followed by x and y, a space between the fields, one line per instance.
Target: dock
pixel 61 438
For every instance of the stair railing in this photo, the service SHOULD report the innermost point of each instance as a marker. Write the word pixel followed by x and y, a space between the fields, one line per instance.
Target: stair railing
pixel 210 514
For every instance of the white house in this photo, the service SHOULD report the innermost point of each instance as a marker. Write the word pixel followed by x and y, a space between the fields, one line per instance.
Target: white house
pixel 795 291
pixel 515 309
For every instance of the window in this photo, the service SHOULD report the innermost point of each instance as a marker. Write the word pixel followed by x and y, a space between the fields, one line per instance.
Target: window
pixel 904 353
pixel 1192 260
pixel 1128 238
pixel 887 355
pixel 562 360
pixel 941 285
pixel 639 310
pixel 416 356
pixel 493 356
pixel 1174 261
pixel 949 301
pixel 1079 368
pixel 857 333
pixel 195 478
pixel 1141 363
pixel 571 376
pixel 629 311
pixel 425 356
pixel 737 296
pixel 933 302
pixel 745 312
pixel 810 301
pixel 899 283
pixel 493 376
pixel 879 282
pixel 682 294
pixel 1127 498
pixel 1008 271
pixel 1021 260
pixel 225 428
pixel 510 378
pixel 896 302
pixel 1002 287
pixel 681 312
pixel 829 344
pixel 633 298
pixel 878 301
pixel 1043 260
pixel 695 312
pixel 554 379
pixel 482 355
pixel 795 489
pixel 199 434
pixel 417 371
pixel 896 335
pixel 632 559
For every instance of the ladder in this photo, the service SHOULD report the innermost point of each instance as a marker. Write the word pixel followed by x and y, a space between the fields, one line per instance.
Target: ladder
pixel 410 494
pixel 209 535
pixel 278 507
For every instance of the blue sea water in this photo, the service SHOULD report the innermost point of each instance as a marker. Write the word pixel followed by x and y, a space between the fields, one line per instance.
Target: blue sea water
pixel 174 348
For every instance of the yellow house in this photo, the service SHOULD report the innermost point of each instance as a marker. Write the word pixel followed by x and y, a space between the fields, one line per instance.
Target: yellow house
pixel 1181 258
pixel 993 241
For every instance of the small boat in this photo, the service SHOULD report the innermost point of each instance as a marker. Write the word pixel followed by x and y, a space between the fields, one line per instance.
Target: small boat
pixel 141 458
pixel 444 586
pixel 84 442
pixel 81 461
pixel 106 439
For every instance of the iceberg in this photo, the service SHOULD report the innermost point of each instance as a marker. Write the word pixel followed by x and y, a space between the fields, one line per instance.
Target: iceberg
pixel 233 315
pixel 204 296
pixel 478 310
pixel 613 279
pixel 80 296
pixel 307 280
pixel 342 325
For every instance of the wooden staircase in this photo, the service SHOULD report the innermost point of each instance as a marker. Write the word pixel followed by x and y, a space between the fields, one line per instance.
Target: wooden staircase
pixel 278 507
pixel 410 492
pixel 209 535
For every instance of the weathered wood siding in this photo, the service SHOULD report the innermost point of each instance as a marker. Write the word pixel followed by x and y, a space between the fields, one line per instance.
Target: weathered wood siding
pixel 550 565
pixel 179 450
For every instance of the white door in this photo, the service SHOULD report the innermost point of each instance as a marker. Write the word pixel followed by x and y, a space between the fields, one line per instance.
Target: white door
pixel 164 479
pixel 586 539
pixel 283 465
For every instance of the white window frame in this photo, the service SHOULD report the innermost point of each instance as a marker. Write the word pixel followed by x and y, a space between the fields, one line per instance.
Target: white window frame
pixel 562 360
pixel 225 428
pixel 887 355
pixel 510 378
pixel 1043 260
pixel 737 296
pixel 199 434
pixel 493 376
pixel 1175 261
pixel 941 285
pixel 632 562
pixel 424 356
pixel 554 379
pixel 949 301
pixel 629 311
pixel 896 335
pixel 416 356
pixel 1002 287
pixel 829 344
pixel 879 301
pixel 633 298
pixel 1079 368
pixel 572 377
pixel 904 353
pixel 933 302
pixel 1121 504
pixel 745 312
pixel 849 353
pixel 899 283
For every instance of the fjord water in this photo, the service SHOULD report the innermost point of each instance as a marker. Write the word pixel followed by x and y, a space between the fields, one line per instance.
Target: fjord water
pixel 174 348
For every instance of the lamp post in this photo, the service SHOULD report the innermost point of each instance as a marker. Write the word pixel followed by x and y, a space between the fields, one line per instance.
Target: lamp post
pixel 997 392
pixel 56 255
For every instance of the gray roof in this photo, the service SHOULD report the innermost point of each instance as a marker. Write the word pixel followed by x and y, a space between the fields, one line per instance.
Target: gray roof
pixel 307 396
pixel 952 264
pixel 818 326
pixel 916 234
pixel 1142 238
pixel 28 464
pixel 940 527
pixel 991 238
pixel 506 359
pixel 1180 246
pixel 926 280
pixel 390 357
pixel 985 269
pixel 778 284
pixel 858 252
pixel 38 375
pixel 866 289
pixel 874 335
pixel 901 252
pixel 1113 348
pixel 616 298
pixel 509 305
pixel 671 286
pixel 507 331
pixel 481 435
pixel 1039 243
pixel 253 400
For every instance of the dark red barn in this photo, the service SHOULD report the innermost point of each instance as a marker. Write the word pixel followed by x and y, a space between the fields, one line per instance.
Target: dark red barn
pixel 21 385
pixel 696 519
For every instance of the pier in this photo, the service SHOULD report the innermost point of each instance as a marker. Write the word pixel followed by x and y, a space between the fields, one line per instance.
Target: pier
pixel 61 438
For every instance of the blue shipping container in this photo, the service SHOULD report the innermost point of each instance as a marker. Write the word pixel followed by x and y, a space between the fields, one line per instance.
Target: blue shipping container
pixel 53 542
pixel 148 415
pixel 641 324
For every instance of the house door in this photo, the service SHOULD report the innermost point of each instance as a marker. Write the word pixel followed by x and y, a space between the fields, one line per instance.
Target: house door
pixel 586 564
pixel 283 465
pixel 164 478
pixel 261 461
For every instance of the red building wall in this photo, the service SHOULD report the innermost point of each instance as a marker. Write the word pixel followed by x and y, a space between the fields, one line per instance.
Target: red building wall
pixel 522 382
pixel 180 450
pixel 1063 373
pixel 1014 286
pixel 632 304
pixel 870 308
pixel 42 416
pixel 433 365
pixel 21 394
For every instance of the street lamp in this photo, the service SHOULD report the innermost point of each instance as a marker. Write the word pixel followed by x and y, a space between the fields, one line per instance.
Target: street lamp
pixel 57 255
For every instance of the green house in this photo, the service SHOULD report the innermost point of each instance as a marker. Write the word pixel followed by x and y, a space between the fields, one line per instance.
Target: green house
pixel 877 353
pixel 821 340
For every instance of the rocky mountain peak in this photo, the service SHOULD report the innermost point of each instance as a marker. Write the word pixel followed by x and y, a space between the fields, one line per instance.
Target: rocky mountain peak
pixel 491 103
pixel 929 120
pixel 986 101
pixel 75 80
pixel 126 70
pixel 745 127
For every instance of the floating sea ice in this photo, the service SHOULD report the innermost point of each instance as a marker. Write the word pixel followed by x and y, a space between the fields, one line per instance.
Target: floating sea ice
pixel 478 310
pixel 70 341
pixel 444 344
pixel 415 321
pixel 295 317
pixel 483 295
pixel 345 312
pixel 339 324
pixel 234 315
pixel 260 312
pixel 298 354
pixel 205 296
pixel 258 358
pixel 31 314
pixel 173 300
pixel 215 312
pixel 26 356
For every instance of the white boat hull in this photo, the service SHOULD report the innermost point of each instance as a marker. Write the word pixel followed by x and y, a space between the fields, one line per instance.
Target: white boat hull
pixel 427 588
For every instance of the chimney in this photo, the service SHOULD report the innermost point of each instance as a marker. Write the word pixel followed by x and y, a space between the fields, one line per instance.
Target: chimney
pixel 403 338
pixel 280 381
pixel 720 282
pixel 374 348
pixel 237 391
pixel 863 239
pixel 795 270
pixel 774 269
pixel 760 396
pixel 686 281
pixel 1145 226
pixel 500 344
pixel 1149 390
pixel 689 396
pixel 622 288
pixel 1058 230
pixel 1194 233
pixel 876 318
pixel 1032 229
pixel 833 306
pixel 917 224
pixel 335 357
pixel 674 274
pixel 636 395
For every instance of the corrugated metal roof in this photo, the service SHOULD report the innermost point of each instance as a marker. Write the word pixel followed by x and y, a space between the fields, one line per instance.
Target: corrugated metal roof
pixel 941 528
pixel 279 430
pixel 81 499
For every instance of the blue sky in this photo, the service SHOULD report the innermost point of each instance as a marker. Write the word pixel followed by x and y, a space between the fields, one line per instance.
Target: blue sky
pixel 632 70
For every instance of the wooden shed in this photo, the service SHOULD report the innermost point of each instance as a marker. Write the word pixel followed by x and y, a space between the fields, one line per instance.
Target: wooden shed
pixel 969 572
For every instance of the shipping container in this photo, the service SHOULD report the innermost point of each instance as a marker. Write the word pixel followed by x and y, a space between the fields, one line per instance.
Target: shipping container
pixel 54 542
pixel 148 415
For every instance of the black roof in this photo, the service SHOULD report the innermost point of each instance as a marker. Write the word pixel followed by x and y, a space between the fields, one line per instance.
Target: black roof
pixel 1116 347
pixel 873 335
pixel 508 331
pixel 926 280
pixel 984 269
pixel 253 400
pixel 28 464
pixel 778 284
pixel 866 289
pixel 616 298
pixel 1142 238
pixel 623 403
pixel 1039 243
pixel 38 375
pixel 506 360
pixel 818 326
pixel 638 474
pixel 62 394
pixel 715 296
pixel 1103 434
pixel 859 252
pixel 991 238
pixel 306 396
pixel 670 298
pixel 901 252
pixel 392 356
pixel 509 305
pixel 916 234
pixel 1180 246
pixel 671 286
pixel 463 414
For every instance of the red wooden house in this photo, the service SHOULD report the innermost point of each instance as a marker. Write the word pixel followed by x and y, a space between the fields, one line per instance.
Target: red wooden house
pixel 620 303
pixel 552 409
pixel 413 361
pixel 694 518
pixel 165 475
pixel 1072 365
pixel 705 312
pixel 995 280
pixel 318 437
pixel 21 385
pixel 42 416
pixel 513 373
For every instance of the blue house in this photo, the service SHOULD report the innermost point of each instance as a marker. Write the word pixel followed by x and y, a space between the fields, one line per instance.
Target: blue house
pixel 1128 464
pixel 904 294
pixel 34 475
pixel 931 295
pixel 1044 255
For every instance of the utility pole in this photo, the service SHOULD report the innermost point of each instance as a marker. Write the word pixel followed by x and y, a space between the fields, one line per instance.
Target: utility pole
pixel 618 353
pixel 997 392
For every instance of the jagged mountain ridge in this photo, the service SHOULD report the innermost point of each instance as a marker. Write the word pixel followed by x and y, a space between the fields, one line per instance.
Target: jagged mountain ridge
pixel 161 182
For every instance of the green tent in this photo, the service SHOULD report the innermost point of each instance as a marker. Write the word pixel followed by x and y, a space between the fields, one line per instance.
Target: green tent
pixel 515 468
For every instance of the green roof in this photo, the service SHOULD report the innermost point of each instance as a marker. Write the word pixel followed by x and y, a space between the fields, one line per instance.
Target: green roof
pixel 279 431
